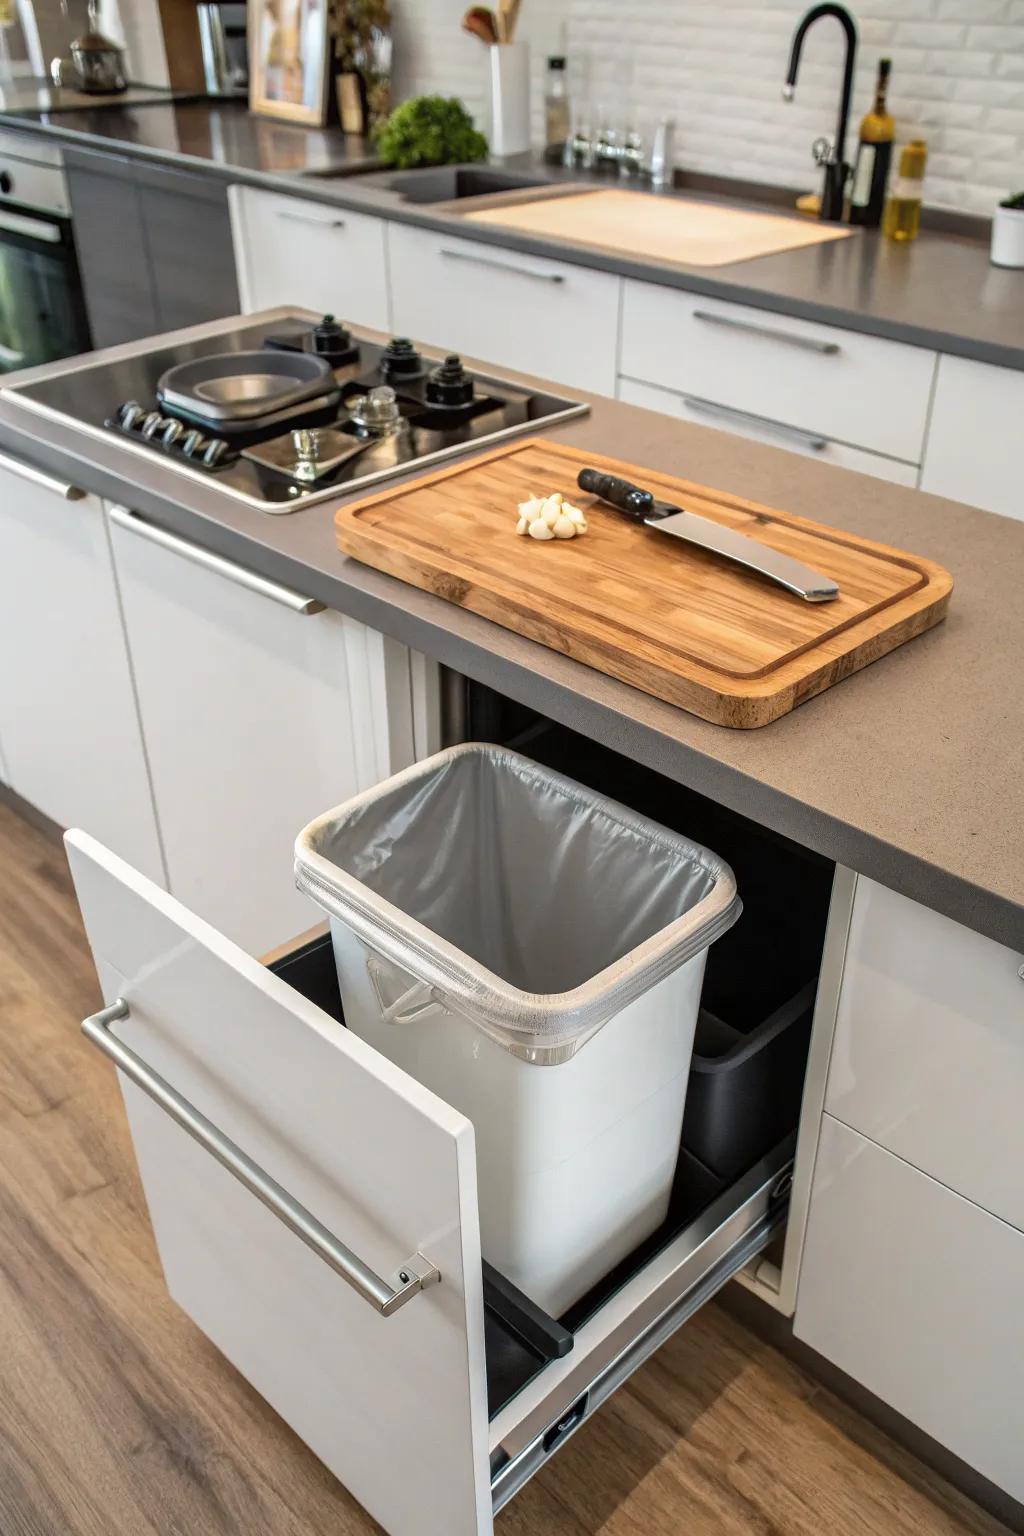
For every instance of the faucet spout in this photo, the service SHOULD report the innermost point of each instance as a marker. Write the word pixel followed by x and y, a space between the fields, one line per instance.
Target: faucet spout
pixel 836 168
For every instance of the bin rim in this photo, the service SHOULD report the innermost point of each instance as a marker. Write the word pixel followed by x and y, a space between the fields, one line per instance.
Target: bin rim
pixel 515 1018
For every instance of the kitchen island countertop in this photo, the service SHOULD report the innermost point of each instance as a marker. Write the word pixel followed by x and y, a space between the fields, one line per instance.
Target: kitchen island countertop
pixel 909 771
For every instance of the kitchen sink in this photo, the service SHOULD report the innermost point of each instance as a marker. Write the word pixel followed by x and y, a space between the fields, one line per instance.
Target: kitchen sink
pixel 445 183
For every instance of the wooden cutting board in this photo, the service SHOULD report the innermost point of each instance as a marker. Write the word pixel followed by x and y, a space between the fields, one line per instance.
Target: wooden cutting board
pixel 661 228
pixel 682 624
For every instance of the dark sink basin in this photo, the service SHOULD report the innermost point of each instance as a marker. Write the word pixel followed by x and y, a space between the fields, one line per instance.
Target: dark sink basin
pixel 444 183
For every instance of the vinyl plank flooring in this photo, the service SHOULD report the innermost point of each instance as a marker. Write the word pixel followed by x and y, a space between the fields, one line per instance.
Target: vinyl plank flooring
pixel 117 1418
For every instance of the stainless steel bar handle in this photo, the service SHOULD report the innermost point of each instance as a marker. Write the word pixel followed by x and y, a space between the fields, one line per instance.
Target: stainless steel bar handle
pixel 747 418
pixel 295 601
pixel 502 266
pixel 39 477
pixel 809 343
pixel 413 1276
pixel 309 218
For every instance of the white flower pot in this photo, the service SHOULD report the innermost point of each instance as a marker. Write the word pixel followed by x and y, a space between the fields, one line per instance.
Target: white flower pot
pixel 1008 238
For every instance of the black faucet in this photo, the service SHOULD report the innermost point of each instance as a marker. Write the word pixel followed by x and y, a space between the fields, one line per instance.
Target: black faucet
pixel 832 157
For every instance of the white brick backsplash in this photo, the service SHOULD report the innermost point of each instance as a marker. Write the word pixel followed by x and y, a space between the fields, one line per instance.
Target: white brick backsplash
pixel 717 66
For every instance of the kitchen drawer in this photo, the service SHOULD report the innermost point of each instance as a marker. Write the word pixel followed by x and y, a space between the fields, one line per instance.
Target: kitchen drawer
pixel 432 1402
pixel 916 1293
pixel 837 384
pixel 971 450
pixel 928 1056
pixel 288 251
pixel 706 413
pixel 542 317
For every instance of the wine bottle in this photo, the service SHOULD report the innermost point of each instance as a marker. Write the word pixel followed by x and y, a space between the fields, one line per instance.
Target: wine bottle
pixel 874 153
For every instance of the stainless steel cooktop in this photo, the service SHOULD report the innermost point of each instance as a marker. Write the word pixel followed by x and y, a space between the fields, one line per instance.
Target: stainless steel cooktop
pixel 221 408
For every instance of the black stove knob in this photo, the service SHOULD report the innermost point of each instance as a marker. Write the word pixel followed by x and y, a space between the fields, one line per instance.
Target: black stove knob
pixel 331 336
pixel 449 384
pixel 400 360
pixel 214 452
pixel 193 443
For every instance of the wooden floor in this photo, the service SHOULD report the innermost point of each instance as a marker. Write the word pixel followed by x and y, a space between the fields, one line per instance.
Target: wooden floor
pixel 118 1419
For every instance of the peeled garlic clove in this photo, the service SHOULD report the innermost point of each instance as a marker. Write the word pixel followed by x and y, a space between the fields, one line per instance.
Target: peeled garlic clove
pixel 573 512
pixel 523 525
pixel 539 529
pixel 531 508
pixel 552 511
pixel 564 528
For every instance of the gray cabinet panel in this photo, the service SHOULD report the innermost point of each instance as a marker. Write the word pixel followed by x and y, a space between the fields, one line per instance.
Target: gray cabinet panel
pixel 112 254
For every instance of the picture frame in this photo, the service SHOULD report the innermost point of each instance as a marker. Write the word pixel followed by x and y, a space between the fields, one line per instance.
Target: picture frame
pixel 290 46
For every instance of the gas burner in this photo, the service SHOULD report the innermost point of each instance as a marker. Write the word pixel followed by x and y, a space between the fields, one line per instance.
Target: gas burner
pixel 449 385
pixel 377 411
pixel 400 362
pixel 331 339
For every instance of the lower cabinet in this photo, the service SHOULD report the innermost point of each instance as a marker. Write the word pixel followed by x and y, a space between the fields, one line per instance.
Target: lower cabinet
pixel 68 720
pixel 317 1214
pixel 291 251
pixel 260 709
pixel 707 413
pixel 543 317
pixel 916 1293
pixel 970 454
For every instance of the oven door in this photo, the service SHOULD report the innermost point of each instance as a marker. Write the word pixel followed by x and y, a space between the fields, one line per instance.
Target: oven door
pixel 42 311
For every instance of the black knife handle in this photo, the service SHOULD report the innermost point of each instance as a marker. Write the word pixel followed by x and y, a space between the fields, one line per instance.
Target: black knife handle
pixel 631 499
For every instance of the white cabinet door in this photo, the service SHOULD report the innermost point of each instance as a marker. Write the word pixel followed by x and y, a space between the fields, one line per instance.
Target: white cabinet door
pixel 916 1293
pixel 928 1056
pixel 288 251
pixel 394 1405
pixel 704 413
pixel 542 317
pixel 971 452
pixel 257 715
pixel 841 385
pixel 68 720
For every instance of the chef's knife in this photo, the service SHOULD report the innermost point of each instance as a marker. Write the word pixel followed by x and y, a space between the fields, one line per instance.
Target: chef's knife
pixel 641 506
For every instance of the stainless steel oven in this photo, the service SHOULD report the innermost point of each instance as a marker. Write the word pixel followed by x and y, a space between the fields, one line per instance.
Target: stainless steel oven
pixel 42 309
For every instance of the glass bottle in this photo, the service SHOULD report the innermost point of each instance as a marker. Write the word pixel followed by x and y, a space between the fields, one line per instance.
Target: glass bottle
pixel 903 210
pixel 874 152
pixel 556 108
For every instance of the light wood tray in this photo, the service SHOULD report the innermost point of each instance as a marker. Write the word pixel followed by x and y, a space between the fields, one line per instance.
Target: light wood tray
pixel 662 228
pixel 682 624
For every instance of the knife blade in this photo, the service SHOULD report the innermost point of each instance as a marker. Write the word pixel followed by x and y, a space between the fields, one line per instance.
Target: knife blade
pixel 641 507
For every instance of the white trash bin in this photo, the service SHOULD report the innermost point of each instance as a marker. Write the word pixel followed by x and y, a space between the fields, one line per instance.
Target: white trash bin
pixel 533 952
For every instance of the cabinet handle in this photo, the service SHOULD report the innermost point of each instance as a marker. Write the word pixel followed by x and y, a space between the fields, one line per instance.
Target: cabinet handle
pixel 809 343
pixel 413 1276
pixel 502 266
pixel 747 418
pixel 35 476
pixel 309 218
pixel 236 573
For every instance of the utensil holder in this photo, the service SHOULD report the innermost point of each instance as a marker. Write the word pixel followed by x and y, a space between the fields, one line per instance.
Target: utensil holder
pixel 1008 238
pixel 509 65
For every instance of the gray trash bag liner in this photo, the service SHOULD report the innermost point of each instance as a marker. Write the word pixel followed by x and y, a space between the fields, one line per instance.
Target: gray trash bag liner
pixel 533 905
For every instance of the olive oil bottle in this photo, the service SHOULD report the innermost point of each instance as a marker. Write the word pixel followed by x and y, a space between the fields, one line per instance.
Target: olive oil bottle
pixel 903 210
pixel 874 153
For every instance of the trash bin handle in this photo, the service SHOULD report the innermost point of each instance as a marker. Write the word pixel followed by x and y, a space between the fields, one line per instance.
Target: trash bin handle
pixel 414 1003
pixel 412 1276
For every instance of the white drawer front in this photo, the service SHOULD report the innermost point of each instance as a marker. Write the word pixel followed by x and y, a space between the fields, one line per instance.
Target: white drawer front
pixel 542 317
pixel 288 251
pixel 395 1406
pixel 704 413
pixel 972 436
pixel 840 384
pixel 917 1294
pixel 928 1058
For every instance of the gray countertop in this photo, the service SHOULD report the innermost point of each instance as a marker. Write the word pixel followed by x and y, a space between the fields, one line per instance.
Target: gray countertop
pixel 909 771
pixel 940 292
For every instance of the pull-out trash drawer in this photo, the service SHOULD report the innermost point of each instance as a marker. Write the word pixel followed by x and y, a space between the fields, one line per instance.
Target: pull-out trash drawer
pixel 316 1214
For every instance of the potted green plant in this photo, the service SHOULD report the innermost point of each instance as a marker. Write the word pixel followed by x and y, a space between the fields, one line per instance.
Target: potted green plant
pixel 1008 232
pixel 430 130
